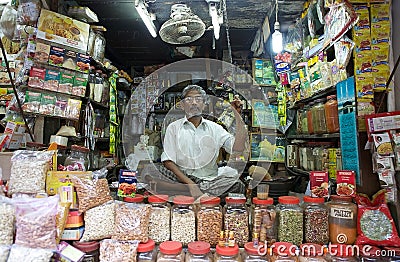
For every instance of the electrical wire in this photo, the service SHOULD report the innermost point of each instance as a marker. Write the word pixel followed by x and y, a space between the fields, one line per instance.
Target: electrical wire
pixel 227 30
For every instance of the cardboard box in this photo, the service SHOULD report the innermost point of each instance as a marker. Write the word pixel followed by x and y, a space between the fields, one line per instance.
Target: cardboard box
pixel 73 233
pixel 14 128
pixel 56 179
pixel 5 165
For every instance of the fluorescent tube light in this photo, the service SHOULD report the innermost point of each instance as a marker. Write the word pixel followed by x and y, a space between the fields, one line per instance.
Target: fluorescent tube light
pixel 146 18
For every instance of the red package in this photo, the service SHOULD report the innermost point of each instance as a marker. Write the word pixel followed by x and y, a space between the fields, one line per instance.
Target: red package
pixel 319 184
pixel 375 224
pixel 346 183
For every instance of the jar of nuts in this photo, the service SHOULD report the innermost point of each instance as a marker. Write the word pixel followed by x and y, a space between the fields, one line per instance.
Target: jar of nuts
pixel 284 252
pixel 159 222
pixel 183 220
pixel 254 253
pixel 264 220
pixel 170 251
pixel 227 254
pixel 290 217
pixel 146 251
pixel 198 251
pixel 316 227
pixel 209 220
pixel 236 219
pixel 312 253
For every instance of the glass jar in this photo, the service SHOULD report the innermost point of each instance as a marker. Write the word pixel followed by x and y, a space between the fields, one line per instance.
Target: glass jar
pixel 159 221
pixel 312 253
pixel 183 220
pixel 331 114
pixel 299 122
pixel 91 250
pixel 136 199
pixel 146 252
pixel 371 254
pixel 253 253
pixel 318 117
pixel 290 217
pixel 61 154
pixel 392 253
pixel 304 120
pixel 236 219
pixel 316 227
pixel 264 220
pixel 342 253
pixel 227 254
pixel 78 160
pixel 209 220
pixel 342 220
pixel 310 126
pixel 284 252
pixel 170 251
pixel 199 251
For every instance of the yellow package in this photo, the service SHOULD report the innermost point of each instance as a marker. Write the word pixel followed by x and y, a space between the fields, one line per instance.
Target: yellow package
pixel 380 12
pixel 56 179
pixel 380 53
pixel 361 35
pixel 364 86
pixel 380 31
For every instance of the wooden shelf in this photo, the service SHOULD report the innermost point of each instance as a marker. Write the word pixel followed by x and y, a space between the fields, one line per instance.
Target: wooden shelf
pixel 51 116
pixel 320 94
pixel 51 91
pixel 320 136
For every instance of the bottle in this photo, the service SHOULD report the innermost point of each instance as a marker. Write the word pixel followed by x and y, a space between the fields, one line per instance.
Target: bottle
pixel 290 217
pixel 170 251
pixel 231 240
pixel 183 220
pixel 236 218
pixel 255 239
pixel 227 254
pixel 159 221
pixel 315 216
pixel 209 220
pixel 221 241
pixel 331 114
pixel 146 251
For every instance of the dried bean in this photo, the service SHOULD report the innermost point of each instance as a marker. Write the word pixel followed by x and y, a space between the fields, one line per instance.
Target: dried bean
pixel 99 222
pixel 316 227
pixel 209 225
pixel 159 223
pixel 239 223
pixel 7 219
pixel 113 250
pixel 183 227
pixel 290 227
pixel 20 253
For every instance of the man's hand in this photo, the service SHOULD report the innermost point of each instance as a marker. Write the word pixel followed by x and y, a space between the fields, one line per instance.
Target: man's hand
pixel 195 190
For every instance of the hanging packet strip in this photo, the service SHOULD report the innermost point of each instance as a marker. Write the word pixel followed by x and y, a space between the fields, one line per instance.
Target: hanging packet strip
pixel 56 57
pixel 51 80
pixel 66 83
pixel 346 183
pixel 32 102
pixel 79 86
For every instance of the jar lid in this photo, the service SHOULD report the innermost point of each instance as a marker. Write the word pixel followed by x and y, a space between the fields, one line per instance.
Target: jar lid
pixel 251 249
pixel 146 247
pixel 199 247
pixel 210 200
pixel 309 199
pixel 235 200
pixel 171 247
pixel 268 201
pixel 342 250
pixel 136 199
pixel 86 246
pixel 183 200
pixel 311 250
pixel 80 148
pixel 341 198
pixel 288 200
pixel 227 251
pixel 284 248
pixel 369 251
pixel 158 199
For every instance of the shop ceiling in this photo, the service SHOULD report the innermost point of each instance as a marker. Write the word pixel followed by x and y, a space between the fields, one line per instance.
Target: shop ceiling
pixel 130 44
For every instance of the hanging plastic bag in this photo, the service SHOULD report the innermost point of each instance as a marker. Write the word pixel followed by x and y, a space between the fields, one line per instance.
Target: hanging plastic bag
pixel 375 224
pixel 7 216
pixel 8 21
pixel 4 251
pixel 28 12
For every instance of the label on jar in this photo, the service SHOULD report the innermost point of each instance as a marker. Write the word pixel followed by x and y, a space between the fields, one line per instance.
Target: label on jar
pixel 344 213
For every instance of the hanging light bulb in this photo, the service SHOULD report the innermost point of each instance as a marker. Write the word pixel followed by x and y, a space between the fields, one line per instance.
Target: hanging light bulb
pixel 277 39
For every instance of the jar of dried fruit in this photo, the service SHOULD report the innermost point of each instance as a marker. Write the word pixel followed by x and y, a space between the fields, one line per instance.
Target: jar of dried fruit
pixel 316 227
pixel 264 220
pixel 209 220
pixel 236 219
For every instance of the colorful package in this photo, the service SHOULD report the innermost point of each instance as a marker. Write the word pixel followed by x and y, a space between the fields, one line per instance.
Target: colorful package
pixel 60 107
pixel 73 109
pixel 83 63
pixel 47 104
pixel 66 83
pixel 42 53
pixel 127 183
pixel 383 144
pixel 346 183
pixel 56 57
pixel 319 184
pixel 32 102
pixel 36 77
pixel 375 224
pixel 69 60
pixel 79 86
pixel 51 80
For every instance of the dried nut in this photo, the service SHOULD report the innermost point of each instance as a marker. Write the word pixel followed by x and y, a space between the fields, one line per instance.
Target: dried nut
pixel 159 223
pixel 99 222
pixel 114 250
pixel 20 253
pixel 28 176
pixel 237 221
pixel 183 226
pixel 209 224
pixel 7 219
pixel 316 227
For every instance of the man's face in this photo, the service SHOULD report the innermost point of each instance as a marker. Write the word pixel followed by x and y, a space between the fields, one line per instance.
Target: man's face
pixel 193 104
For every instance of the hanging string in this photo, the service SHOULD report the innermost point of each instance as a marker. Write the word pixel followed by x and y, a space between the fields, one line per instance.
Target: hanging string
pixel 276 11
pixel 227 30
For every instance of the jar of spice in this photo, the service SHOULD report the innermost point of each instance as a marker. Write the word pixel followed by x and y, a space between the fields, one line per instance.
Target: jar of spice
pixel 290 225
pixel 78 160
pixel 146 252
pixel 342 253
pixel 318 117
pixel 254 253
pixel 342 220
pixel 91 250
pixel 284 252
pixel 312 253
pixel 316 227
pixel 199 251
pixel 310 126
pixel 183 220
pixel 159 221
pixel 209 220
pixel 331 114
pixel 170 251
pixel 264 220
pixel 236 219
pixel 227 254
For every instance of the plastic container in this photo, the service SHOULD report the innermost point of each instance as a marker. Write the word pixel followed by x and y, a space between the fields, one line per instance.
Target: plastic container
pixel 262 191
pixel 170 251
pixel 78 158
pixel 209 220
pixel 331 114
pixel 290 225
pixel 318 117
pixel 264 220
pixel 392 253
pixel 160 215
pixel 342 253
pixel 91 250
pixel 371 254
pixel 236 218
pixel 253 253
pixel 183 220
pixel 199 251
pixel 227 254
pixel 61 154
pixel 342 220
pixel 146 252
pixel 136 199
pixel 316 227
pixel 310 126
pixel 283 252
pixel 310 252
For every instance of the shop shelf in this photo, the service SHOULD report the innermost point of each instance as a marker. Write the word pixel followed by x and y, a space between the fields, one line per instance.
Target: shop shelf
pixel 321 136
pixel 298 171
pixel 102 139
pixel 51 116
pixel 51 91
pixel 320 94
